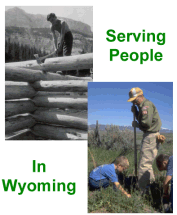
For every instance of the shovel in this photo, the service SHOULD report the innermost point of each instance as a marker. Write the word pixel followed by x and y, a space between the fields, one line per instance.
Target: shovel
pixel 135 148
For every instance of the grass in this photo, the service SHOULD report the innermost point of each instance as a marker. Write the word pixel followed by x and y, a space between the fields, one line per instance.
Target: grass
pixel 109 201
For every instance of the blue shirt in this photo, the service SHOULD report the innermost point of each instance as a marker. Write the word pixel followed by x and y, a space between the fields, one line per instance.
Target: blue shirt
pixel 170 167
pixel 106 171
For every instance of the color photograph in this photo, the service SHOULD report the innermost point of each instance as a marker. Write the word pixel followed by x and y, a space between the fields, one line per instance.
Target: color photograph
pixel 130 147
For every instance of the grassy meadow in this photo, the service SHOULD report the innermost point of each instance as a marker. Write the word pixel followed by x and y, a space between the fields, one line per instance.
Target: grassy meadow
pixel 110 144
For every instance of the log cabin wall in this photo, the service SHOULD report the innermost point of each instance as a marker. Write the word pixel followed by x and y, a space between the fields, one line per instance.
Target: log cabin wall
pixel 43 105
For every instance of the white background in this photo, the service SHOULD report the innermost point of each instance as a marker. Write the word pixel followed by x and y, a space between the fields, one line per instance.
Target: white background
pixel 67 160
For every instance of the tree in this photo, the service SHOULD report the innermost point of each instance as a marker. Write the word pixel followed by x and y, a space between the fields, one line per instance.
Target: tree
pixel 20 52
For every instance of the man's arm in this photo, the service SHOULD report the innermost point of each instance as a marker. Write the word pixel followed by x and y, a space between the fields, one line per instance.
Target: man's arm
pixel 117 184
pixel 54 39
pixel 62 35
pixel 166 184
pixel 147 115
pixel 135 111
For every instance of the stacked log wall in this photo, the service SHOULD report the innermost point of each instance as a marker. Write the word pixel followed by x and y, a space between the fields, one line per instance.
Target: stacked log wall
pixel 44 105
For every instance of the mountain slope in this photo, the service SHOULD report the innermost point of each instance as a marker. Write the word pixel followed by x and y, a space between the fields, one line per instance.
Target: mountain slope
pixel 102 127
pixel 34 30
pixel 19 18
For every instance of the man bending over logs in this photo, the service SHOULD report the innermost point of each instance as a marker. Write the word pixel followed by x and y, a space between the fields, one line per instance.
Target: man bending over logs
pixel 65 42
pixel 64 46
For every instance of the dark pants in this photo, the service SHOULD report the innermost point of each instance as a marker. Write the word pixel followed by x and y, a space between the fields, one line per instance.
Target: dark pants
pixel 171 196
pixel 67 45
pixel 96 185
pixel 66 50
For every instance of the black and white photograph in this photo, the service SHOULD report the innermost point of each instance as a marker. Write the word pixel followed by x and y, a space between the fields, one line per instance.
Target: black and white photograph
pixel 48 64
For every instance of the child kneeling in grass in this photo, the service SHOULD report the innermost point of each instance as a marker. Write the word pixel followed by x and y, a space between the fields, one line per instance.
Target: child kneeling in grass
pixel 102 175
pixel 165 162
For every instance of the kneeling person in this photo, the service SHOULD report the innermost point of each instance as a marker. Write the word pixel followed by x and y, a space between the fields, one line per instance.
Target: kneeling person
pixel 102 176
pixel 165 162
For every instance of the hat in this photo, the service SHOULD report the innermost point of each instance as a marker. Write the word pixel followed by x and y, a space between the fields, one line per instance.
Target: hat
pixel 51 15
pixel 134 93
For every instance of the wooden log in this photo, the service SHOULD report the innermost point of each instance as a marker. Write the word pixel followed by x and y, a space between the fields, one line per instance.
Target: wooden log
pixel 13 73
pixel 68 118
pixel 61 86
pixel 21 135
pixel 60 102
pixel 63 94
pixel 18 107
pixel 17 90
pixel 59 133
pixel 84 61
pixel 18 123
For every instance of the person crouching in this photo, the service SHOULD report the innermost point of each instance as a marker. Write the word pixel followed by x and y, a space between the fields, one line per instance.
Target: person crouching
pixel 103 175
pixel 165 162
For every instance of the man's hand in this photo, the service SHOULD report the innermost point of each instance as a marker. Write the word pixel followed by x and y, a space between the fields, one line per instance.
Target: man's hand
pixel 134 109
pixel 135 124
pixel 56 52
pixel 59 48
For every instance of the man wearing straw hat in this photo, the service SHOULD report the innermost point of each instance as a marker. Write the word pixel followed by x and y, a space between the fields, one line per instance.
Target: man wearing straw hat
pixel 149 122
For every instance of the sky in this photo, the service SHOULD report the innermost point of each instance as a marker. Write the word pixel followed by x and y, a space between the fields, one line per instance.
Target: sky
pixel 107 101
pixel 78 13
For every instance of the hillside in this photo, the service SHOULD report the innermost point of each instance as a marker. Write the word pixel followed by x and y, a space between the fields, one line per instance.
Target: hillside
pixel 19 18
pixel 34 30
pixel 102 127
